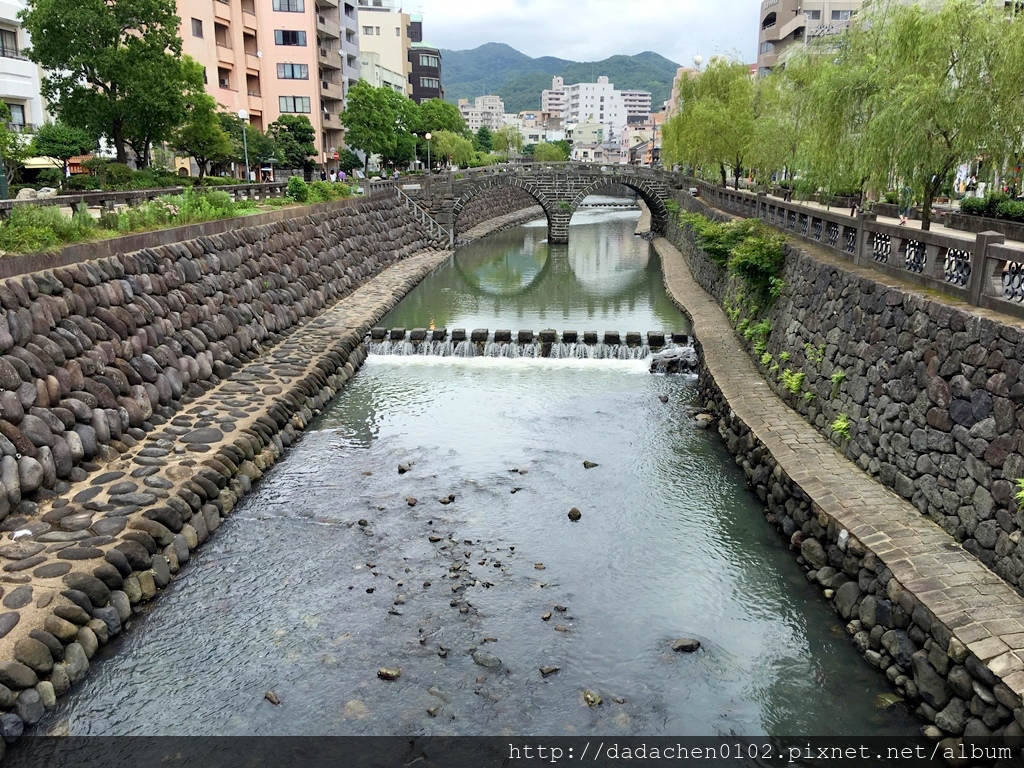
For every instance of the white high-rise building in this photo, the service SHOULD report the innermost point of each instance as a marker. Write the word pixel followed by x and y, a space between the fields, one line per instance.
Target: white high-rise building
pixel 19 77
pixel 596 104
pixel 483 110
pixel 552 100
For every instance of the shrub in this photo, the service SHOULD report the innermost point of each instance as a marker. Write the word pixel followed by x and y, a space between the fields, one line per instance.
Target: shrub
pixel 892 197
pixel 116 176
pixel 766 358
pixel 1011 210
pixel 757 259
pixel 277 202
pixel 972 206
pixel 40 227
pixel 219 181
pixel 82 182
pixel 298 190
pixel 672 206
pixel 50 177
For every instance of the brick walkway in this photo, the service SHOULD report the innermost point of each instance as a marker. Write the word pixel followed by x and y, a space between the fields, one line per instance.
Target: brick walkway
pixel 978 607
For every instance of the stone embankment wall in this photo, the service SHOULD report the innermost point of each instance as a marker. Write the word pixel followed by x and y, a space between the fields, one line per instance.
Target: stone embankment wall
pixel 500 203
pixel 907 362
pixel 932 392
pixel 90 352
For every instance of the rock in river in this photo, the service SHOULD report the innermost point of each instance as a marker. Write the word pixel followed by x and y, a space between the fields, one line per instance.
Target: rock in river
pixel 389 673
pixel 575 514
pixel 685 645
pixel 488 660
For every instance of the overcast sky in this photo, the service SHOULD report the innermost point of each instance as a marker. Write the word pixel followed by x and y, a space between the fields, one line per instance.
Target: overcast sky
pixel 591 30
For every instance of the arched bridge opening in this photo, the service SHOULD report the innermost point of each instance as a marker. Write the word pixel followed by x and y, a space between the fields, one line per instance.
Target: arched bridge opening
pixel 490 202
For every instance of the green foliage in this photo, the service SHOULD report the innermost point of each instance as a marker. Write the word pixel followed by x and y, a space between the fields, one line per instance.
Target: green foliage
pixel 31 228
pixel 508 140
pixel 1019 496
pixel 996 206
pixel 454 146
pixel 298 190
pixel 793 381
pixel 482 139
pixel 50 177
pixel 785 357
pixel 759 258
pixel 814 354
pixel 759 333
pixel 766 358
pixel 13 148
pixel 519 79
pixel 672 206
pixel 545 152
pixel 62 142
pixel 841 426
pixel 809 396
pixel 325 191
pixel 838 377
pixel 111 68
pixel 380 121
pixel 201 136
pixel 293 137
pixel 435 115
pixel 348 161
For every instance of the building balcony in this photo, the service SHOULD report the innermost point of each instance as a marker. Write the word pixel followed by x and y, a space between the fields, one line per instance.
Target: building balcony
pixel 327 27
pixel 252 61
pixel 331 90
pixel 222 10
pixel 225 53
pixel 255 101
pixel 328 58
pixel 249 7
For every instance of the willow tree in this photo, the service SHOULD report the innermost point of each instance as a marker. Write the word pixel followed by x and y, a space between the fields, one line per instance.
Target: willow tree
pixel 715 120
pixel 922 95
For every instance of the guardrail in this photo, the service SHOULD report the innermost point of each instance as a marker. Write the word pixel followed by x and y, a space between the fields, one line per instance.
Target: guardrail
pixel 109 200
pixel 982 270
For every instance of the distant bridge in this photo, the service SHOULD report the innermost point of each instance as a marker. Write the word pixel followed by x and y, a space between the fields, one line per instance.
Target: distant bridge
pixel 559 188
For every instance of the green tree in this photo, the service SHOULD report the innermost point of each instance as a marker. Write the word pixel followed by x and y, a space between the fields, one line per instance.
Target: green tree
pixel 13 146
pixel 509 140
pixel 348 161
pixel 435 115
pixel 157 110
pixel 458 149
pixel 201 136
pixel 716 119
pixel 380 121
pixel 112 67
pixel 62 142
pixel 294 138
pixel 549 153
pixel 261 145
pixel 483 140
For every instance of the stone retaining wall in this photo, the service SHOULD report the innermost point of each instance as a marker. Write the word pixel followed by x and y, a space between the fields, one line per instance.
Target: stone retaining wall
pixel 933 392
pixel 492 205
pixel 92 351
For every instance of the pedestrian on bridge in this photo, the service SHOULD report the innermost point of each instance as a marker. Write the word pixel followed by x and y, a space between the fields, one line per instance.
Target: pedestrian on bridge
pixel 906 200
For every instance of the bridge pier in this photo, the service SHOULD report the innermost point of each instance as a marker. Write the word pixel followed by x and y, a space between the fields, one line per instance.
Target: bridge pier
pixel 558 226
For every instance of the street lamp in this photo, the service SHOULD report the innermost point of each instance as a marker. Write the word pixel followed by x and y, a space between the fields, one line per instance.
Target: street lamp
pixel 244 116
pixel 427 137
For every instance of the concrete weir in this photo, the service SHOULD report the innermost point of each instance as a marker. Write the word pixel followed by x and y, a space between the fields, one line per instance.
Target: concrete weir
pixel 142 393
pixel 947 632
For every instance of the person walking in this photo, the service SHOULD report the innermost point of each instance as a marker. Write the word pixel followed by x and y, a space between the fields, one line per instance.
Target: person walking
pixel 906 200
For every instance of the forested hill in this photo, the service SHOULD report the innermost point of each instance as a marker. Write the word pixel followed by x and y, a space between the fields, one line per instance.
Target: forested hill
pixel 496 68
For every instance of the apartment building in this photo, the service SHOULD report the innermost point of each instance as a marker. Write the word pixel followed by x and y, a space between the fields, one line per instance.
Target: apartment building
pixel 786 25
pixel 553 99
pixel 483 111
pixel 379 76
pixel 425 64
pixel 596 103
pixel 277 57
pixel 19 77
pixel 384 30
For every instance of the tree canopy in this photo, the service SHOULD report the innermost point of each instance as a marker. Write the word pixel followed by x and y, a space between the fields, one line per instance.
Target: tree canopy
pixel 508 139
pixel 13 147
pixel 201 136
pixel 294 138
pixel 111 67
pixel 62 142
pixel 435 115
pixel 549 153
pixel 379 121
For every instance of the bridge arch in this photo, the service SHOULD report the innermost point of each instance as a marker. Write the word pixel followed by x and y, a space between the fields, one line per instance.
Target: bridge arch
pixel 499 182
pixel 646 191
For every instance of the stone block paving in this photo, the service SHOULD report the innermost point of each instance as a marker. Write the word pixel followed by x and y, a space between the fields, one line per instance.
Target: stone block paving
pixel 984 613
pixel 115 538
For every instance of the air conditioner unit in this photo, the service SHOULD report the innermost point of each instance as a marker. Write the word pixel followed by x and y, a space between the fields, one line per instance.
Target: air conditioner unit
pixel 224 83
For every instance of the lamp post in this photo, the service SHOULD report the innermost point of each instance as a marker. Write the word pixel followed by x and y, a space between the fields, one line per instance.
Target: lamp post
pixel 427 137
pixel 244 116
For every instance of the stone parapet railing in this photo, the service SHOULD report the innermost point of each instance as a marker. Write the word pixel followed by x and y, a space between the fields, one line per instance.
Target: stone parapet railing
pixel 980 269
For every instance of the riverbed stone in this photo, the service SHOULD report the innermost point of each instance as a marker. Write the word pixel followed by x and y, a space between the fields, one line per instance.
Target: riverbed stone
pixel 88 640
pixel 18 597
pixel 76 663
pixel 8 621
pixel 33 654
pixel 814 553
pixel 53 645
pixel 487 660
pixel 96 590
pixel 120 601
pixel 11 727
pixel 16 675
pixel 29 706
pixel 47 694
pixel 62 629
pixel 147 584
pixel 846 598
pixel 110 616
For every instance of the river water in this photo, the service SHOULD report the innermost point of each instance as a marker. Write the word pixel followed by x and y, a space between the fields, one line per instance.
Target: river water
pixel 325 573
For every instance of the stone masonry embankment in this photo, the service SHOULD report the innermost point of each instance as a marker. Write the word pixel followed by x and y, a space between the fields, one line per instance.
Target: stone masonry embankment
pixel 933 391
pixel 504 202
pixel 144 392
pixel 946 631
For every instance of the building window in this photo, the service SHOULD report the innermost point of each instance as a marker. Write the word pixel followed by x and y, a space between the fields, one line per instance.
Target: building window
pixel 841 15
pixel 813 15
pixel 766 47
pixel 427 60
pixel 17 114
pixel 292 6
pixel 368 31
pixel 294 104
pixel 293 71
pixel 398 31
pixel 289 37
pixel 197 27
pixel 430 83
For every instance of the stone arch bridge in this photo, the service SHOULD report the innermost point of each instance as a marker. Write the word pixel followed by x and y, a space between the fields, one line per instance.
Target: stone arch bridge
pixel 559 188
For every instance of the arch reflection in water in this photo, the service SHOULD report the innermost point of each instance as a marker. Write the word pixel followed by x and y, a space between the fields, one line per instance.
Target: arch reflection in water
pixel 605 278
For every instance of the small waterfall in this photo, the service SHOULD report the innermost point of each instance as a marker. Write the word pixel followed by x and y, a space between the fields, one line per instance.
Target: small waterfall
pixel 665 357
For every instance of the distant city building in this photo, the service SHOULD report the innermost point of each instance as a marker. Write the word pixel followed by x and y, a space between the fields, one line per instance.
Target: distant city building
pixel 19 77
pixel 553 99
pixel 785 25
pixel 377 75
pixel 536 127
pixel 425 61
pixel 596 103
pixel 483 111
pixel 277 57
pixel 385 31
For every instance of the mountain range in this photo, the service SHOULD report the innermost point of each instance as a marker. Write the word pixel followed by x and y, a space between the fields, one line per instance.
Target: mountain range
pixel 496 68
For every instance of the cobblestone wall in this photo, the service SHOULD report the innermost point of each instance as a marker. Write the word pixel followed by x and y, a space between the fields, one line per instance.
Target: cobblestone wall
pixel 89 352
pixel 494 204
pixel 932 392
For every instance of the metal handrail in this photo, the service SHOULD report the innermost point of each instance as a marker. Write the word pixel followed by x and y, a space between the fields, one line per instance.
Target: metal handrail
pixel 425 218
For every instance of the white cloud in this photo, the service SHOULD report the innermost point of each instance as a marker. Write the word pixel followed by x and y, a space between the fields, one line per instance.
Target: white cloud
pixel 591 30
